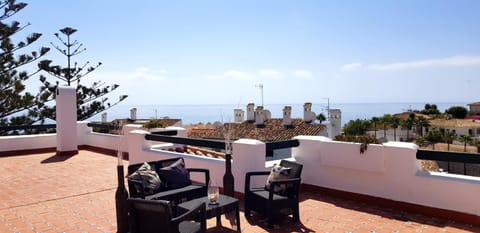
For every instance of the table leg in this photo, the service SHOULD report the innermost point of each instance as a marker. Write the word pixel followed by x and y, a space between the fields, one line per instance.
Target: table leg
pixel 237 214
pixel 219 220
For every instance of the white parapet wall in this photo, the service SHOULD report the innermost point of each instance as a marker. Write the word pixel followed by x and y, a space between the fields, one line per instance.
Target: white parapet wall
pixel 390 171
pixel 27 142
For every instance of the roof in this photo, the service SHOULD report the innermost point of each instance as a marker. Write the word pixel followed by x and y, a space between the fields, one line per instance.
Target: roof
pixel 273 130
pixel 474 104
pixel 458 123
pixel 405 115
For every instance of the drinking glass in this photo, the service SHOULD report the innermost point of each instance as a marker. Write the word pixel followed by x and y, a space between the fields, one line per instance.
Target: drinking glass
pixel 213 194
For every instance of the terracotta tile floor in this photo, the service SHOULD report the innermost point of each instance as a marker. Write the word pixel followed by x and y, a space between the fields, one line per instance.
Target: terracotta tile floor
pixel 44 193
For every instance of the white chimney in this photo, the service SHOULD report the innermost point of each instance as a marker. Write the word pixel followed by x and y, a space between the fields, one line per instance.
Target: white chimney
pixel 267 115
pixel 104 117
pixel 308 115
pixel 133 114
pixel 287 113
pixel 335 124
pixel 239 115
pixel 250 112
pixel 259 120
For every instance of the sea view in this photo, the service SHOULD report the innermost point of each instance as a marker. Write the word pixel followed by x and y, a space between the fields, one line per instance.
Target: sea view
pixel 192 114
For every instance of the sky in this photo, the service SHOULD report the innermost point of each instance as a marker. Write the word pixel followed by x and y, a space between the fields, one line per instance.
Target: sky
pixel 219 52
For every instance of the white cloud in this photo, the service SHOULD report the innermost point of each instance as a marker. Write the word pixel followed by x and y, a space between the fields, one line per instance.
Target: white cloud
pixel 145 74
pixel 229 74
pixel 303 74
pixel 236 74
pixel 270 74
pixel 454 61
pixel 352 66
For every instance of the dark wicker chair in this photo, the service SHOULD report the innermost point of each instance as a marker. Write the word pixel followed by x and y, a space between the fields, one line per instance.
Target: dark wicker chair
pixel 195 190
pixel 155 216
pixel 270 204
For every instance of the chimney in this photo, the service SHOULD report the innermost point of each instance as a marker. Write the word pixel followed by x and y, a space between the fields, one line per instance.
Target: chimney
pixel 133 114
pixel 239 115
pixel 308 115
pixel 287 113
pixel 259 120
pixel 250 112
pixel 335 124
pixel 104 117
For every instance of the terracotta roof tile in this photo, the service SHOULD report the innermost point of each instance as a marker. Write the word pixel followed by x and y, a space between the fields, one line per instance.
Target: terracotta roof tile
pixel 273 130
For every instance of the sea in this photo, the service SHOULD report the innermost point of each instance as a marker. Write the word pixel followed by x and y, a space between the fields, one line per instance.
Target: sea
pixel 204 113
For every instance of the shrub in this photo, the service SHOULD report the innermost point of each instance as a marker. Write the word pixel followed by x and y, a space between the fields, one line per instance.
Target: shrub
pixel 153 123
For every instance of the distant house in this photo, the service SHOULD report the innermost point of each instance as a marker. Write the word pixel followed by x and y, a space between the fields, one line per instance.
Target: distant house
pixel 457 126
pixel 474 108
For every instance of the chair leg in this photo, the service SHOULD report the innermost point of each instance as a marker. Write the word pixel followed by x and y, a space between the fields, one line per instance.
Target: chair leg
pixel 247 212
pixel 296 214
pixel 270 216
pixel 270 223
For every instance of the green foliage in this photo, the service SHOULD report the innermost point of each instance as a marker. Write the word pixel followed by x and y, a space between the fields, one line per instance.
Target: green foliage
pixel 91 100
pixel 320 117
pixel 458 112
pixel 363 139
pixel 449 137
pixel 357 138
pixel 356 127
pixel 430 109
pixel 466 138
pixel 434 136
pixel 420 141
pixel 17 106
pixel 153 123
pixel 421 123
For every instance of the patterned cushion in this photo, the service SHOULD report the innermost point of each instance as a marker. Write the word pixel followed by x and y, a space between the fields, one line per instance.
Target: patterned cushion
pixel 150 180
pixel 175 175
pixel 278 173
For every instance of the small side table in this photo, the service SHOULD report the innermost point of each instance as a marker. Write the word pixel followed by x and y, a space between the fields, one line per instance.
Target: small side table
pixel 225 204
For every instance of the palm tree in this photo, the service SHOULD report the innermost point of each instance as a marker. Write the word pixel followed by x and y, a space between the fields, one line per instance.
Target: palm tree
pixel 374 121
pixel 434 136
pixel 407 124
pixel 386 119
pixel 395 122
pixel 421 122
pixel 466 138
pixel 321 118
pixel 449 137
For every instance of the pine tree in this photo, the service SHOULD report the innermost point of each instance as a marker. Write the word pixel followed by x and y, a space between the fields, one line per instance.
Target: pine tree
pixel 91 100
pixel 17 105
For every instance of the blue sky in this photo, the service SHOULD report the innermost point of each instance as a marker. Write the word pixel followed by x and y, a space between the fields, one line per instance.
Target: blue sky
pixel 216 52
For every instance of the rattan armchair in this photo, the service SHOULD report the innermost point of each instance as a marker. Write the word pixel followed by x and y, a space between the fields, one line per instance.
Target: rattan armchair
pixel 270 204
pixel 157 216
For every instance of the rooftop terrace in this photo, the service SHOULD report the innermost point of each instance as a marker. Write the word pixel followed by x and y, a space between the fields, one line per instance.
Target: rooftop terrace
pixel 47 193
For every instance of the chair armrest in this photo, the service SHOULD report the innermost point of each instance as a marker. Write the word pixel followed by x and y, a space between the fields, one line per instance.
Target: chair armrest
pixel 198 214
pixel 248 175
pixel 201 170
pixel 286 181
pixel 131 186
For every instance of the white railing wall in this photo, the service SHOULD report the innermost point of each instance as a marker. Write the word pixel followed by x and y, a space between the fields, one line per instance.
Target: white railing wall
pixel 390 171
pixel 27 142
